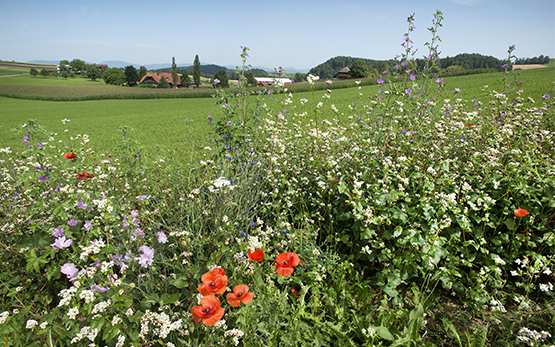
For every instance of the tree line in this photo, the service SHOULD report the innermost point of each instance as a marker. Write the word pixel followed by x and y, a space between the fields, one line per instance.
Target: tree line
pixel 535 60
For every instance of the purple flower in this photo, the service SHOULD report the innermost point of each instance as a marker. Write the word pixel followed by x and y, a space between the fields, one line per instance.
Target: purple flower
pixel 412 77
pixel 228 123
pixel 439 80
pixel 145 259
pixel 44 177
pixel 404 63
pixel 134 213
pixel 209 117
pixel 408 91
pixel 69 270
pixel 58 232
pixel 26 138
pixel 380 81
pixel 142 197
pixel 96 288
pixel 216 81
pixel 546 96
pixel 405 131
pixel 457 90
pixel 88 225
pixel 162 238
pixel 225 106
pixel 72 222
pixel 279 70
pixel 40 145
pixel 61 243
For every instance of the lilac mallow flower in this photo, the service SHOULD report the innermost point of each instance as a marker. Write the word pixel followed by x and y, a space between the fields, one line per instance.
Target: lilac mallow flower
pixel 145 260
pixel 60 243
pixel 69 270
pixel 72 222
pixel 88 226
pixel 58 232
pixel 162 238
pixel 82 205
pixel 216 81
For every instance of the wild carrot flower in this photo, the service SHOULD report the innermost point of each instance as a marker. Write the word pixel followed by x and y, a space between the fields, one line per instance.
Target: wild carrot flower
pixel 286 262
pixel 521 212
pixel 240 295
pixel 213 282
pixel 257 255
pixel 209 311
pixel 70 156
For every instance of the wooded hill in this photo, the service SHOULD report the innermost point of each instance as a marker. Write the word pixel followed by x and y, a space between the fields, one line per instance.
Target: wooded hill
pixel 463 61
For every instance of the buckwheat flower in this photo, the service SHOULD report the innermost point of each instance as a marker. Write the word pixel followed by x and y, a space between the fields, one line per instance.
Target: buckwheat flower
pixel 4 316
pixel 546 287
pixel 43 325
pixel 58 232
pixel 146 257
pixel 73 312
pixel 162 238
pixel 72 222
pixel 31 323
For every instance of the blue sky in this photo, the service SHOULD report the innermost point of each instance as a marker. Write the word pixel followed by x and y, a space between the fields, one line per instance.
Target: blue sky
pixel 299 34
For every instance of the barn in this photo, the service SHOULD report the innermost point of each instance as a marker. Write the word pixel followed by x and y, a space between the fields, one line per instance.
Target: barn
pixel 268 81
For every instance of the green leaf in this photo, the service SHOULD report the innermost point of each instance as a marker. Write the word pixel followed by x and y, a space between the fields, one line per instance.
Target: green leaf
pixel 179 283
pixel 384 333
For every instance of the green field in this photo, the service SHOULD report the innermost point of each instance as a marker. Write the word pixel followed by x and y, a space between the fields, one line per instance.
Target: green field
pixel 174 123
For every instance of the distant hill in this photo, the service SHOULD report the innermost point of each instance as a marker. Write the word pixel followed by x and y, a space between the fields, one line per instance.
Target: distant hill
pixel 465 61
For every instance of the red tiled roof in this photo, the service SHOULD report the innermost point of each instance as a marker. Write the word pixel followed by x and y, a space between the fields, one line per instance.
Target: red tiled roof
pixel 157 76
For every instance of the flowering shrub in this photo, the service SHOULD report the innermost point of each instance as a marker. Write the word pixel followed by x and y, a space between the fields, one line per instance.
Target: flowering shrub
pixel 354 224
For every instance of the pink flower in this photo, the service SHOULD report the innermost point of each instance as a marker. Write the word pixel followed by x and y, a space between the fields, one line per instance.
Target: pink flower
pixel 61 243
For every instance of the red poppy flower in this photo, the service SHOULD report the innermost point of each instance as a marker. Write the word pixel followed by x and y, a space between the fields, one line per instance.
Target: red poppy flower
pixel 469 124
pixel 209 310
pixel 521 212
pixel 296 293
pixel 84 175
pixel 70 156
pixel 25 207
pixel 286 262
pixel 240 294
pixel 213 282
pixel 257 255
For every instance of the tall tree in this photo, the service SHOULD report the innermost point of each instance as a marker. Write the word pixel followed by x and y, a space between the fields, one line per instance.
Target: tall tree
pixel 359 69
pixel 196 72
pixel 251 81
pixel 77 65
pixel 114 76
pixel 174 73
pixel 142 72
pixel 93 72
pixel 131 75
pixel 185 79
pixel 223 81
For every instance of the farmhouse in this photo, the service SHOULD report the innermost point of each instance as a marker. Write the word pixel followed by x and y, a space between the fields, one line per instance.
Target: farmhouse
pixel 154 78
pixel 268 81
pixel 343 73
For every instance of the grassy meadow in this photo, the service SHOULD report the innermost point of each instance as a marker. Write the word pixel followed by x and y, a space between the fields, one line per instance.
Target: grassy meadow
pixel 413 212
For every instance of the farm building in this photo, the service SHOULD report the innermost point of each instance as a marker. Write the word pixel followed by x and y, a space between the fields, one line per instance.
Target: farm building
pixel 343 73
pixel 154 78
pixel 268 81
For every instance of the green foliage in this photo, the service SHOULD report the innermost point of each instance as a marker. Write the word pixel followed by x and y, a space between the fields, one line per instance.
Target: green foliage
pixel 185 79
pixel 93 72
pixel 77 65
pixel 34 72
pixel 131 75
pixel 359 69
pixel 223 80
pixel 163 83
pixel 196 71
pixel 114 76
pixel 175 78
pixel 45 73
pixel 299 77
pixel 142 71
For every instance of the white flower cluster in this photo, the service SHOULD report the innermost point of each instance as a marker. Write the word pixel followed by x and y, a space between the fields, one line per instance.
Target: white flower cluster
pixel 161 321
pixel 87 295
pixel 219 183
pixel 66 295
pixel 531 337
pixel 92 249
pixel 121 341
pixel 236 333
pixel 73 312
pixel 85 332
pixel 370 332
pixel 102 306
pixel 311 79
pixel 31 323
pixel 4 316
pixel 254 243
